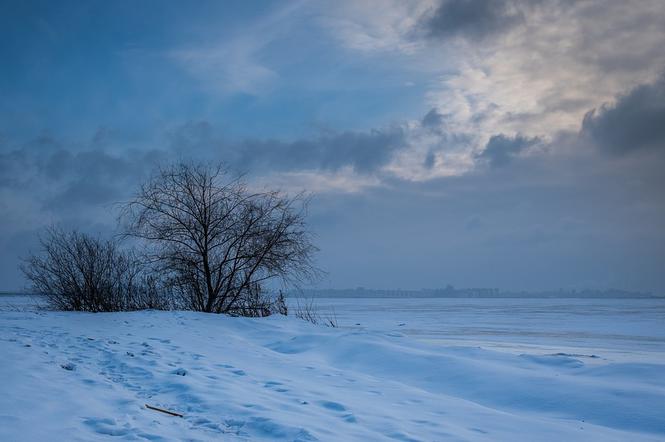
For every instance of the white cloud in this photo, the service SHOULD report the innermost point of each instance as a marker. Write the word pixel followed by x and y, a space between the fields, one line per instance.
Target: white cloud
pixel 537 78
pixel 542 77
pixel 378 25
pixel 234 63
pixel 228 68
pixel 345 180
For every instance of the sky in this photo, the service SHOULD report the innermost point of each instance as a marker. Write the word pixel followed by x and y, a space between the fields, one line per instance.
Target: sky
pixel 510 144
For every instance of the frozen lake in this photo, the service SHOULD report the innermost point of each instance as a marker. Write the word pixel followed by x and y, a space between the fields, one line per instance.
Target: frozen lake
pixel 616 329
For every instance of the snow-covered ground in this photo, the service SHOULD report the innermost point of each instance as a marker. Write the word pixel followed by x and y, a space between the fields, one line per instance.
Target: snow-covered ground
pixel 77 376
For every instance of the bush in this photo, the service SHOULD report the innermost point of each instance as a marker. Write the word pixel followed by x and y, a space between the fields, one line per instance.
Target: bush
pixel 76 271
pixel 280 306
pixel 307 311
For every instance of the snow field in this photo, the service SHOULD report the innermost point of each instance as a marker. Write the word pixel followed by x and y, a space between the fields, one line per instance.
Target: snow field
pixel 78 376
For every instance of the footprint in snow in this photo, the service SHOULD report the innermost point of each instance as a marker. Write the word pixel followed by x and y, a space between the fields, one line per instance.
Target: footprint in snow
pixel 334 406
pixel 68 366
pixel 350 418
pixel 179 371
pixel 163 341
pixel 223 366
pixel 276 386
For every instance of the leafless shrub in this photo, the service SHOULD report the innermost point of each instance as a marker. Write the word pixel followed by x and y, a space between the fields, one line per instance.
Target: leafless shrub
pixel 75 271
pixel 151 293
pixel 330 320
pixel 215 242
pixel 280 306
pixel 307 311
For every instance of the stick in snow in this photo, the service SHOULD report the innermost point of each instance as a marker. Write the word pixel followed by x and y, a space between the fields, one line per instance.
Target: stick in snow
pixel 172 413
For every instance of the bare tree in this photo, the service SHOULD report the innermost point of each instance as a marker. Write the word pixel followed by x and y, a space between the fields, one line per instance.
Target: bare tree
pixel 76 271
pixel 216 242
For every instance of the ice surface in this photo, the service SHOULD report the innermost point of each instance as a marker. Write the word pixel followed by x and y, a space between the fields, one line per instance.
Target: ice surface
pixel 78 376
pixel 619 329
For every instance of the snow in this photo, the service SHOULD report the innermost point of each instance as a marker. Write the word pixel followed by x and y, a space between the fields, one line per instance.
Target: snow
pixel 77 376
pixel 629 330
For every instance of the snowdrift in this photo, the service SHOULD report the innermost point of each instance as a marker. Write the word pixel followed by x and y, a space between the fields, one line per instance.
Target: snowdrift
pixel 77 376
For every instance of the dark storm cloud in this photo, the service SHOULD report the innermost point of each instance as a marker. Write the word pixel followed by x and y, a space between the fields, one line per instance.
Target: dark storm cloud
pixel 433 119
pixel 430 160
pixel 635 122
pixel 63 179
pixel 472 19
pixel 501 149
pixel 59 176
pixel 364 152
pixel 93 177
pixel 85 192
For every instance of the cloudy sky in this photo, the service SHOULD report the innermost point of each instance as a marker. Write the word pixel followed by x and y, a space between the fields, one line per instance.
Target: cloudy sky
pixel 510 144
